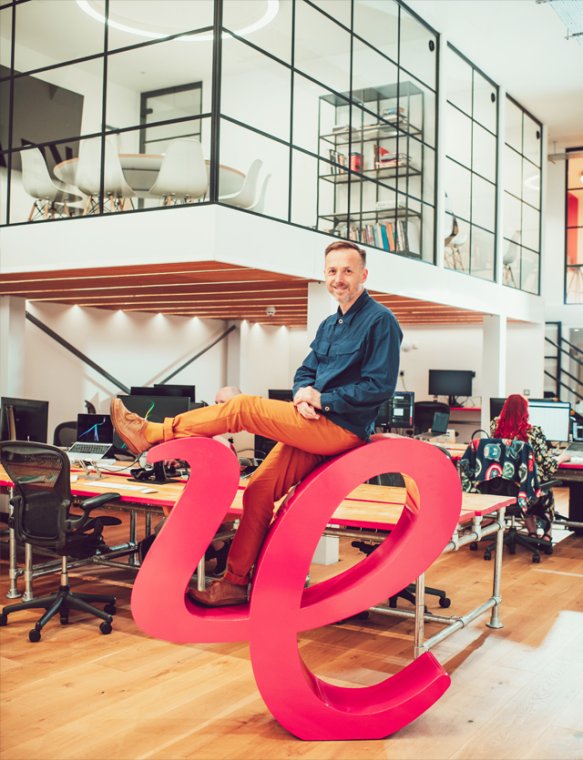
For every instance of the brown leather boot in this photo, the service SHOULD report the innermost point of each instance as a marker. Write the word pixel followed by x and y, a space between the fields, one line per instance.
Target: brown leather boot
pixel 130 427
pixel 219 594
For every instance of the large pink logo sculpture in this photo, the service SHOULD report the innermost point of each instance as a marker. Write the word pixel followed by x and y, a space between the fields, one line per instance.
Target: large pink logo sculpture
pixel 280 606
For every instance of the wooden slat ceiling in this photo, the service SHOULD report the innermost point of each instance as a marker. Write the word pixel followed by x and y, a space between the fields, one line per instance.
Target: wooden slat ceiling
pixel 206 289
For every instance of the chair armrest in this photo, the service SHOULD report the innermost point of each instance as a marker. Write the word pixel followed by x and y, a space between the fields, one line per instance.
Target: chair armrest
pixel 98 501
pixel 79 523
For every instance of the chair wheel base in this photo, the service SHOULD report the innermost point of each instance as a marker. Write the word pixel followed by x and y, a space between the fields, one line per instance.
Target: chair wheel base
pixel 105 628
pixel 111 609
pixel 34 635
pixel 445 601
pixel 3 619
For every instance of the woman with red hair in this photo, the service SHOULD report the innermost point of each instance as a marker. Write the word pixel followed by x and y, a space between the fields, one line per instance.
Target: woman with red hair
pixel 513 423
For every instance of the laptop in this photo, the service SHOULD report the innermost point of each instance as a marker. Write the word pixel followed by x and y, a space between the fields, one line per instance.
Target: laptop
pixel 440 423
pixel 575 448
pixel 94 438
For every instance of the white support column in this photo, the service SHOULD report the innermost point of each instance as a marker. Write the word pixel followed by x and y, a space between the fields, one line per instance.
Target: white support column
pixel 493 362
pixel 321 305
pixel 12 324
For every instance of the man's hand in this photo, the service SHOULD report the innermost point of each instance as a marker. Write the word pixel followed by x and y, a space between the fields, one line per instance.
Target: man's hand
pixel 309 395
pixel 307 411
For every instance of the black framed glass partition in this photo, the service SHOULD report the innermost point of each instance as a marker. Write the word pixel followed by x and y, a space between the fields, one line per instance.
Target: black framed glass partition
pixel 522 161
pixel 470 168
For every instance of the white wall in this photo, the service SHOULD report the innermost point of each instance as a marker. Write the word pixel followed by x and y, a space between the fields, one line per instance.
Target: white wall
pixel 136 348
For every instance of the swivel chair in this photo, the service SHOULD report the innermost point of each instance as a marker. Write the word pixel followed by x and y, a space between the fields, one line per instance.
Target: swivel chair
pixel 507 468
pixel 65 433
pixel 42 517
pixel 423 414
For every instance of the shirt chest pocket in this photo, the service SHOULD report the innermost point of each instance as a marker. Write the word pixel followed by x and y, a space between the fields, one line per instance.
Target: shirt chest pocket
pixel 342 353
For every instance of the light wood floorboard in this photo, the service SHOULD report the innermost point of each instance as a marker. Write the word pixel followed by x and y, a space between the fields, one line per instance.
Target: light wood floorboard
pixel 516 692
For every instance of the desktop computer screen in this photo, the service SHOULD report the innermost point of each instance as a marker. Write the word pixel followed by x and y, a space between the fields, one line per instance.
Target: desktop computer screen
pixel 397 412
pixel 496 405
pixel 450 383
pixel 23 419
pixel 152 408
pixel 554 417
pixel 164 390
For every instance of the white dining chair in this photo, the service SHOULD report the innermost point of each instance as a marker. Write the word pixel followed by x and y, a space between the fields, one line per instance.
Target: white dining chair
pixel 259 204
pixel 51 198
pixel 510 255
pixel 88 176
pixel 245 196
pixel 183 174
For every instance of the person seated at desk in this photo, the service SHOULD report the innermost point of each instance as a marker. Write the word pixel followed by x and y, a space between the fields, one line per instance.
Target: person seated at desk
pixel 513 423
pixel 352 368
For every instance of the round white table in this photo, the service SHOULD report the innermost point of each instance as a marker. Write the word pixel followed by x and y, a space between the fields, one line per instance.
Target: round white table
pixel 140 171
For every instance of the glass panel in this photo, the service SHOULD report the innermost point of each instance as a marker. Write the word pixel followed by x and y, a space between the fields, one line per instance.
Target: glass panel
pixel 372 70
pixel 426 223
pixel 484 153
pixel 575 208
pixel 575 284
pixel 482 264
pixel 458 136
pixel 485 100
pixel 483 202
pixel 257 93
pixel 457 183
pixel 143 72
pixel 458 82
pixel 530 228
pixel 274 37
pixel 155 20
pixel 304 201
pixel 513 125
pixel 47 108
pixel 5 37
pixel 529 271
pixel 418 49
pixel 43 31
pixel 512 216
pixel 377 22
pixel 322 48
pixel 532 140
pixel 239 149
pixel 531 183
pixel 320 118
pixel 419 103
pixel 511 261
pixel 428 192
pixel 332 202
pixel 512 172
pixel 338 9
pixel 575 245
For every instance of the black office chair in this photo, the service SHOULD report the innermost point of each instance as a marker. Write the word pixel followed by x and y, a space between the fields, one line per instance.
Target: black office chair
pixel 42 517
pixel 506 468
pixel 424 411
pixel 65 433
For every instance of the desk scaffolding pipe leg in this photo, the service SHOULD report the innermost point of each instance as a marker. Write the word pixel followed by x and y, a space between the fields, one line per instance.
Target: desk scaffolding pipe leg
pixel 13 572
pixel 28 593
pixel 419 616
pixel 495 617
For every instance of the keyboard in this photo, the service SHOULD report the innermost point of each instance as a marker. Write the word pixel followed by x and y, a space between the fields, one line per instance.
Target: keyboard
pixel 115 485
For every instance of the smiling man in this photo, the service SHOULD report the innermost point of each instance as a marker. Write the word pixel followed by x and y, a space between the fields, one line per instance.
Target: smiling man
pixel 351 369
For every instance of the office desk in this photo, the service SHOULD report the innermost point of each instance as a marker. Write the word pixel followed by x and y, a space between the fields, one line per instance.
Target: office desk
pixel 368 509
pixel 572 476
pixel 141 169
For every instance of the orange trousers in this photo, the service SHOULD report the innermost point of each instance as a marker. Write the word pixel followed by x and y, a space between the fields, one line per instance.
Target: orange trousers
pixel 303 444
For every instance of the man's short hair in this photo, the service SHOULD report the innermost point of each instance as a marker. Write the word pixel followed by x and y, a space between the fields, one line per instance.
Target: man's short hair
pixel 337 244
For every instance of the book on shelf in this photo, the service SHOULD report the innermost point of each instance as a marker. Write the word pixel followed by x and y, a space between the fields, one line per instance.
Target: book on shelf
pixel 339 162
pixel 394 113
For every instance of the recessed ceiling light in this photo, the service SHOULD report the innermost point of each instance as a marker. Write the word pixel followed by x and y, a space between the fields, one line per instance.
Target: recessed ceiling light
pixel 272 8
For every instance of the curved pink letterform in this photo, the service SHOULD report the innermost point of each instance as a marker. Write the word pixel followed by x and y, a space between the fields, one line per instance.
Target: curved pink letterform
pixel 280 606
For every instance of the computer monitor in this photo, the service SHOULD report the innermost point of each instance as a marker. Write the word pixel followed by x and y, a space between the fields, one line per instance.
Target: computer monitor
pixel 280 395
pixel 164 390
pixel 496 405
pixel 175 389
pixel 554 417
pixel 397 412
pixel 451 383
pixel 23 419
pixel 263 446
pixel 94 428
pixel 153 408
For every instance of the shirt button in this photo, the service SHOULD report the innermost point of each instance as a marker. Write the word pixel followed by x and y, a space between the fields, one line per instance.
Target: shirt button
pixel 326 408
pixel 340 321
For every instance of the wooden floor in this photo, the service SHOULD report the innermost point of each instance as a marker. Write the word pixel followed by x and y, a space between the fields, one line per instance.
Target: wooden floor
pixel 516 692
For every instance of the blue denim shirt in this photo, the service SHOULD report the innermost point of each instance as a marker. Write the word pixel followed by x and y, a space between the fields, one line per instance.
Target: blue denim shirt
pixel 354 363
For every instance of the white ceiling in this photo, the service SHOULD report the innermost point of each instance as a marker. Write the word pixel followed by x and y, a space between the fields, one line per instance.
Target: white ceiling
pixel 521 45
